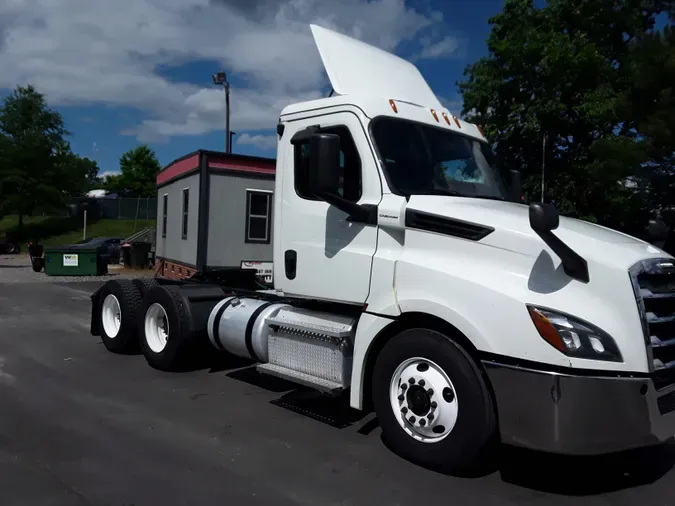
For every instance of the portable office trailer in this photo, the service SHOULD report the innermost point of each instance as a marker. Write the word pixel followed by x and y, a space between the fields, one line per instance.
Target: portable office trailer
pixel 214 211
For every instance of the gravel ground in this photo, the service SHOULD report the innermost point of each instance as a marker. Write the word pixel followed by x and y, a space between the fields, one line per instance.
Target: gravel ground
pixel 17 269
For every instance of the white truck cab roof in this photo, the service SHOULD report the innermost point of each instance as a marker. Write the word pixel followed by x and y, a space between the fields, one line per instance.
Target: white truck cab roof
pixel 378 83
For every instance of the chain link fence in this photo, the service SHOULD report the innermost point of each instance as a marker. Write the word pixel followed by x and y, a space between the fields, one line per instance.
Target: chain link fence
pixel 143 208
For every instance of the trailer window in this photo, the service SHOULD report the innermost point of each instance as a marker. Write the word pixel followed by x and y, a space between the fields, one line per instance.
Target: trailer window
pixel 258 216
pixel 165 205
pixel 186 204
pixel 350 166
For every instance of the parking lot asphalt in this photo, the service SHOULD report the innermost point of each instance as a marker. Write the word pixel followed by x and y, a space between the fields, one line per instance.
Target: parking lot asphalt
pixel 81 426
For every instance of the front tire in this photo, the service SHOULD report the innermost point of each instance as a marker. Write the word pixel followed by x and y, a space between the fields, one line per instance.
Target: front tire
pixel 165 330
pixel 431 401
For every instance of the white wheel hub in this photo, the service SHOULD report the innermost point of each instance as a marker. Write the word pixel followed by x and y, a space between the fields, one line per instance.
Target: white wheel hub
pixel 424 400
pixel 111 316
pixel 156 328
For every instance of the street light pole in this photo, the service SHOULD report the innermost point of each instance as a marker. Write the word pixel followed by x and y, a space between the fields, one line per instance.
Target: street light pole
pixel 228 144
pixel 232 134
pixel 220 79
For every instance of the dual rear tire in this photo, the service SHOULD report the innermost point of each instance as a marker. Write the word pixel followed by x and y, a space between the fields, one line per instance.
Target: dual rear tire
pixel 165 330
pixel 143 315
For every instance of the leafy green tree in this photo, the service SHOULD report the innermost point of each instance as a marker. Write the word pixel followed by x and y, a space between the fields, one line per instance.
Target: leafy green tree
pixel 37 167
pixel 582 74
pixel 138 176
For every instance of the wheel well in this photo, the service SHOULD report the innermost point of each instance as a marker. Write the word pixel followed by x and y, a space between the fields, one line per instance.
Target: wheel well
pixel 404 322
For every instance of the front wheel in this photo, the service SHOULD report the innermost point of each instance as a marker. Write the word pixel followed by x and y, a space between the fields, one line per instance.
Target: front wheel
pixel 432 402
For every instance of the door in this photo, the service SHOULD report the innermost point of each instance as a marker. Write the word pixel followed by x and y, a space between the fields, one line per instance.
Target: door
pixel 325 255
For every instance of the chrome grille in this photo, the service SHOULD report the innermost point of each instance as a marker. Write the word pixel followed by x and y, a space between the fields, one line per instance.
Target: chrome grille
pixel 654 286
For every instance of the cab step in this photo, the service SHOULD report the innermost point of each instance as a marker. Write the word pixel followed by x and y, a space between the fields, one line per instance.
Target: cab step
pixel 301 378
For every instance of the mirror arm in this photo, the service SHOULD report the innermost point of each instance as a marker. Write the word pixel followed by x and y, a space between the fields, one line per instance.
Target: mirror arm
pixel 357 213
pixel 574 265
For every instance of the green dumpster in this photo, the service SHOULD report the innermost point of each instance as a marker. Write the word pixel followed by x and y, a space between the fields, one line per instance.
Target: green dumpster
pixel 64 261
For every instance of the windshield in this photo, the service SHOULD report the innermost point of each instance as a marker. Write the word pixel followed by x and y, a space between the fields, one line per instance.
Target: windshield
pixel 421 160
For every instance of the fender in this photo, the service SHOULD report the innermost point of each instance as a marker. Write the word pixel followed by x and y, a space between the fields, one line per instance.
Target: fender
pixel 371 326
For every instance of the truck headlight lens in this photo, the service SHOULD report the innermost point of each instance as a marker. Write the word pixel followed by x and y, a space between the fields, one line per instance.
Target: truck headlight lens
pixel 574 337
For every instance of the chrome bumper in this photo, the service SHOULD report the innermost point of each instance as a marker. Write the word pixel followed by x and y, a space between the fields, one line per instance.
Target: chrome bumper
pixel 579 415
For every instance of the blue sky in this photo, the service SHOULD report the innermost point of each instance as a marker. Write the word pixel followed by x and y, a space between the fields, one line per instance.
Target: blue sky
pixel 134 71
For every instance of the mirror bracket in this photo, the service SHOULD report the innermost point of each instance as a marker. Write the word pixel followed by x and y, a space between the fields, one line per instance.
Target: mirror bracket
pixel 544 219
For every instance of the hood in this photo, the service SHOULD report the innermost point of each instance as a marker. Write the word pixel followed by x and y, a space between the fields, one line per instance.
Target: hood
pixel 511 222
pixel 357 68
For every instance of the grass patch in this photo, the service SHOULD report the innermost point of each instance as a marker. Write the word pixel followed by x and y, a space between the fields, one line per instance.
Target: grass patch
pixel 57 231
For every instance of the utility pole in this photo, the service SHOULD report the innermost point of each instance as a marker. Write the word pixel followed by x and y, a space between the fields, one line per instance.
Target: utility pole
pixel 220 79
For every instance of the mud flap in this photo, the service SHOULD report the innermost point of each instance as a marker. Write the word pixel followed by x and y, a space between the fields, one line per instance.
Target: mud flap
pixel 95 323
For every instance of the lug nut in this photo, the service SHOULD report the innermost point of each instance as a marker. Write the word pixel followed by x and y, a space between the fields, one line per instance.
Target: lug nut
pixel 423 422
pixel 411 381
pixel 430 416
pixel 421 383
pixel 433 405
pixel 400 398
pixel 412 419
pixel 404 387
pixel 430 392
pixel 404 410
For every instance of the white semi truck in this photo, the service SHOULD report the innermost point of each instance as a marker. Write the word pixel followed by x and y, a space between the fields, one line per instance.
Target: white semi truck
pixel 409 277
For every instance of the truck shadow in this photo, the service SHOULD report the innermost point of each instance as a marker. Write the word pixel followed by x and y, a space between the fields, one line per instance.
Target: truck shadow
pixel 583 476
pixel 544 472
pixel 574 476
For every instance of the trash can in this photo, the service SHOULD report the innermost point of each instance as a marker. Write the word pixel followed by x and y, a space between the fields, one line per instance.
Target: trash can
pixel 139 254
pixel 63 261
pixel 126 254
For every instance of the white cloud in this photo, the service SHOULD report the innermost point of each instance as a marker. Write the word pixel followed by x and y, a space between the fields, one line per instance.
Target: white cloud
pixel 439 49
pixel 106 174
pixel 97 51
pixel 263 142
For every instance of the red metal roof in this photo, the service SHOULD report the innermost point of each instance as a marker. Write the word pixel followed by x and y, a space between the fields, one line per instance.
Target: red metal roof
pixel 218 161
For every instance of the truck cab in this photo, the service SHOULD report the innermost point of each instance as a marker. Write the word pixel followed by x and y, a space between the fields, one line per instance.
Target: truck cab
pixel 407 275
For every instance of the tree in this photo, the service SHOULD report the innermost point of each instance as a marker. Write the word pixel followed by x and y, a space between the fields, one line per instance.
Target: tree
pixel 37 167
pixel 567 72
pixel 138 176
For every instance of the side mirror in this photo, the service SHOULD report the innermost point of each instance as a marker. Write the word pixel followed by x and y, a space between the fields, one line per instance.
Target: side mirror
pixel 324 163
pixel 543 217
pixel 516 186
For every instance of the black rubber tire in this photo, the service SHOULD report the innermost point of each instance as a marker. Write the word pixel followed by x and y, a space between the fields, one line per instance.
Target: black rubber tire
pixel 130 301
pixel 145 284
pixel 462 450
pixel 180 346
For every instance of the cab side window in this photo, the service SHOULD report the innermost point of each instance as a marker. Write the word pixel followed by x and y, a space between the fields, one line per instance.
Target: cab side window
pixel 350 166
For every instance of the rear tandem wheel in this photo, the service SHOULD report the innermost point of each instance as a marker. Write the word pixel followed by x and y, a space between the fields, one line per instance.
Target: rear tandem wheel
pixel 120 302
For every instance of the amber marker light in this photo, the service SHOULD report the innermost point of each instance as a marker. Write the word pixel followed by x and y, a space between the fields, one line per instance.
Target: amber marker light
pixel 546 329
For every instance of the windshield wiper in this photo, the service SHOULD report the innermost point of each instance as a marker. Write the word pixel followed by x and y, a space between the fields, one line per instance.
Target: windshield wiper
pixel 439 191
pixel 487 197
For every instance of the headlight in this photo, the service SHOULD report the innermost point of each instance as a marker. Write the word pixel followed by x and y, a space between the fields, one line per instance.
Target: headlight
pixel 574 337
